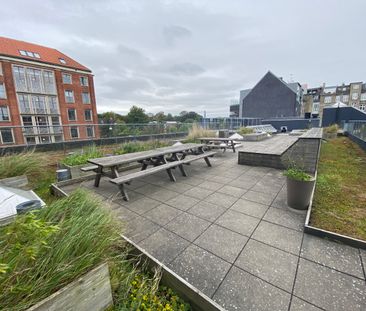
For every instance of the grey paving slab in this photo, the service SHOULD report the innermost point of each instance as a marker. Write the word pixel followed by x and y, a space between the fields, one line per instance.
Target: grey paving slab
pixel 222 242
pixel 207 211
pixel 198 193
pixel 164 245
pixel 338 256
pixel 163 195
pixel 182 202
pixel 281 199
pixel 363 258
pixel 162 214
pixel 238 222
pixel 286 239
pixel 298 304
pixel 132 195
pixel 210 185
pixel 140 228
pixel 243 291
pixel 270 264
pixel 147 189
pixel 259 197
pixel 232 191
pixel 329 289
pixel 286 218
pixel 242 183
pixel 142 205
pixel 179 187
pixel 265 188
pixel 188 226
pixel 221 199
pixel 123 213
pixel 193 180
pixel 221 179
pixel 250 208
pixel 197 265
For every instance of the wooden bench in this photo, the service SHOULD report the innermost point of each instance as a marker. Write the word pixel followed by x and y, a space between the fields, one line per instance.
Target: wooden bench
pixel 205 156
pixel 89 168
pixel 120 181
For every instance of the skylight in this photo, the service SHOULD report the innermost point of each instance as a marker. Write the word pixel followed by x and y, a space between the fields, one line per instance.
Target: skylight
pixel 29 54
pixel 62 61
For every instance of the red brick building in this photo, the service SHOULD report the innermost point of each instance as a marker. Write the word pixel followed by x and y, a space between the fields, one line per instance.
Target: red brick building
pixel 45 96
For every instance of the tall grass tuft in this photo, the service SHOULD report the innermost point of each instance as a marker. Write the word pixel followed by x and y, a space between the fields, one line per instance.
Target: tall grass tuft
pixel 26 163
pixel 42 252
pixel 82 157
pixel 245 130
pixel 131 147
pixel 196 132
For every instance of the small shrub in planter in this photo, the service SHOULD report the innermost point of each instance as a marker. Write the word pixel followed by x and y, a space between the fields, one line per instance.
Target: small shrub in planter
pixel 299 188
pixel 331 131
pixel 245 131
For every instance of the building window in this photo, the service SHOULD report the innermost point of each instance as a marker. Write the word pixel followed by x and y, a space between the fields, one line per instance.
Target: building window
pixel 57 129
pixel 52 105
pixel 6 136
pixel 29 54
pixel 84 81
pixel 24 104
pixel 355 86
pixel 1 69
pixel 4 113
pixel 71 114
pixel 74 132
pixel 2 90
pixel 69 96
pixel 338 98
pixel 354 96
pixel 31 140
pixel 354 105
pixel 363 96
pixel 85 98
pixel 62 61
pixel 28 125
pixel 345 98
pixel 19 77
pixel 66 78
pixel 88 115
pixel 328 99
pixel 315 108
pixel 34 79
pixel 89 131
pixel 49 82
pixel 45 139
pixel 39 104
pixel 363 107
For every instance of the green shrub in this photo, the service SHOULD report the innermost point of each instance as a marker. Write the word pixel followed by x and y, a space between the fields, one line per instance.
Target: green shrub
pixel 83 157
pixel 245 130
pixel 26 163
pixel 297 174
pixel 131 147
pixel 332 129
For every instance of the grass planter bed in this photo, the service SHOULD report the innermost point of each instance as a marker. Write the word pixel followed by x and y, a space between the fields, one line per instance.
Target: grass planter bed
pixel 338 209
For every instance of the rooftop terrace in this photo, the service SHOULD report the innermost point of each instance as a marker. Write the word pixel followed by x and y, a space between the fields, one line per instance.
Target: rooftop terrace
pixel 228 231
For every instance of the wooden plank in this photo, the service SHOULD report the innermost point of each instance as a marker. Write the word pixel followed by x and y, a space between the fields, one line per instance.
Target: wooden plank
pixel 200 156
pixel 91 292
pixel 89 168
pixel 142 155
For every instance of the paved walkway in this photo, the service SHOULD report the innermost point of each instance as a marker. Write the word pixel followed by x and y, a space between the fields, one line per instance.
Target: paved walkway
pixel 227 231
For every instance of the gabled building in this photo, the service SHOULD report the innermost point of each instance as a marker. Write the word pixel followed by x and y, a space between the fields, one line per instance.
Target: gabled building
pixel 45 96
pixel 271 97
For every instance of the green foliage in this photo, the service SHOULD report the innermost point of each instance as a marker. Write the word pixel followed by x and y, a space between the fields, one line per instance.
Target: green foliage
pixel 297 174
pixel 332 129
pixel 245 130
pixel 140 146
pixel 45 250
pixel 137 115
pixel 83 157
pixel 26 163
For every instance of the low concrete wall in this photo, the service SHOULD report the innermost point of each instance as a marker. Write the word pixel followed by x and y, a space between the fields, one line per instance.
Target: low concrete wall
pixel 260 159
pixel 357 140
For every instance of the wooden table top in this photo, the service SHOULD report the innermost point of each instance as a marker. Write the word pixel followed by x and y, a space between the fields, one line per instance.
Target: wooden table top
pixel 142 155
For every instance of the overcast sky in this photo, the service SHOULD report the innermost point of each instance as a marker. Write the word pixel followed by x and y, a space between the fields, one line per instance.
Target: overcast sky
pixel 195 55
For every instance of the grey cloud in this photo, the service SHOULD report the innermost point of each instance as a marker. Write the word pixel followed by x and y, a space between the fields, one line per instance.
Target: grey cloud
pixel 174 32
pixel 187 69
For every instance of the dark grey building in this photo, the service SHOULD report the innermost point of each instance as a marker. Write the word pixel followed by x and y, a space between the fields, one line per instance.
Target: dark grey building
pixel 234 111
pixel 271 97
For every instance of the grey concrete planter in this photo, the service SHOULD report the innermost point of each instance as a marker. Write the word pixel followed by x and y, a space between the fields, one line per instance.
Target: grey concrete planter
pixel 299 193
pixel 75 171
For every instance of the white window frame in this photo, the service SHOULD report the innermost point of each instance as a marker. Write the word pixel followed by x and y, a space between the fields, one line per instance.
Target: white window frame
pixel 64 74
pixel 86 79
pixel 82 98
pixel 354 96
pixel 3 86
pixel 1 69
pixel 355 86
pixel 66 97
pixel 77 129
pixel 93 132
pixel 363 96
pixel 68 116
pixel 91 115
pixel 7 108
pixel 338 98
pixel 327 99
pixel 1 136
pixel 363 107
pixel 345 98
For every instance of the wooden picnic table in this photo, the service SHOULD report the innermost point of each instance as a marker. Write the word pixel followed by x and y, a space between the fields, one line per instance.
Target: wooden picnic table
pixel 153 157
pixel 215 142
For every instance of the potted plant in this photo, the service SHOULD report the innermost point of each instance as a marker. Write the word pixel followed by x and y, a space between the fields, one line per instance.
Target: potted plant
pixel 300 186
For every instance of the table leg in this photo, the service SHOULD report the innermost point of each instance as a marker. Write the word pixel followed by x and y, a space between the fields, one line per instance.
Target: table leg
pixel 208 162
pixel 123 192
pixel 233 145
pixel 171 176
pixel 98 176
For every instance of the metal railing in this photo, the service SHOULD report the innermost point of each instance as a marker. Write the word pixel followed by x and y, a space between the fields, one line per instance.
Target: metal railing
pixel 356 128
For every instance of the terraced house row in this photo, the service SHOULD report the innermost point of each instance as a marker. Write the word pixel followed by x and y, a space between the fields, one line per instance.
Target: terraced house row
pixel 45 96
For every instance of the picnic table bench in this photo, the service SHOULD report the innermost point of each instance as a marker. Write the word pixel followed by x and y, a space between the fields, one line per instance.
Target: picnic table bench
pixel 165 158
pixel 218 142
